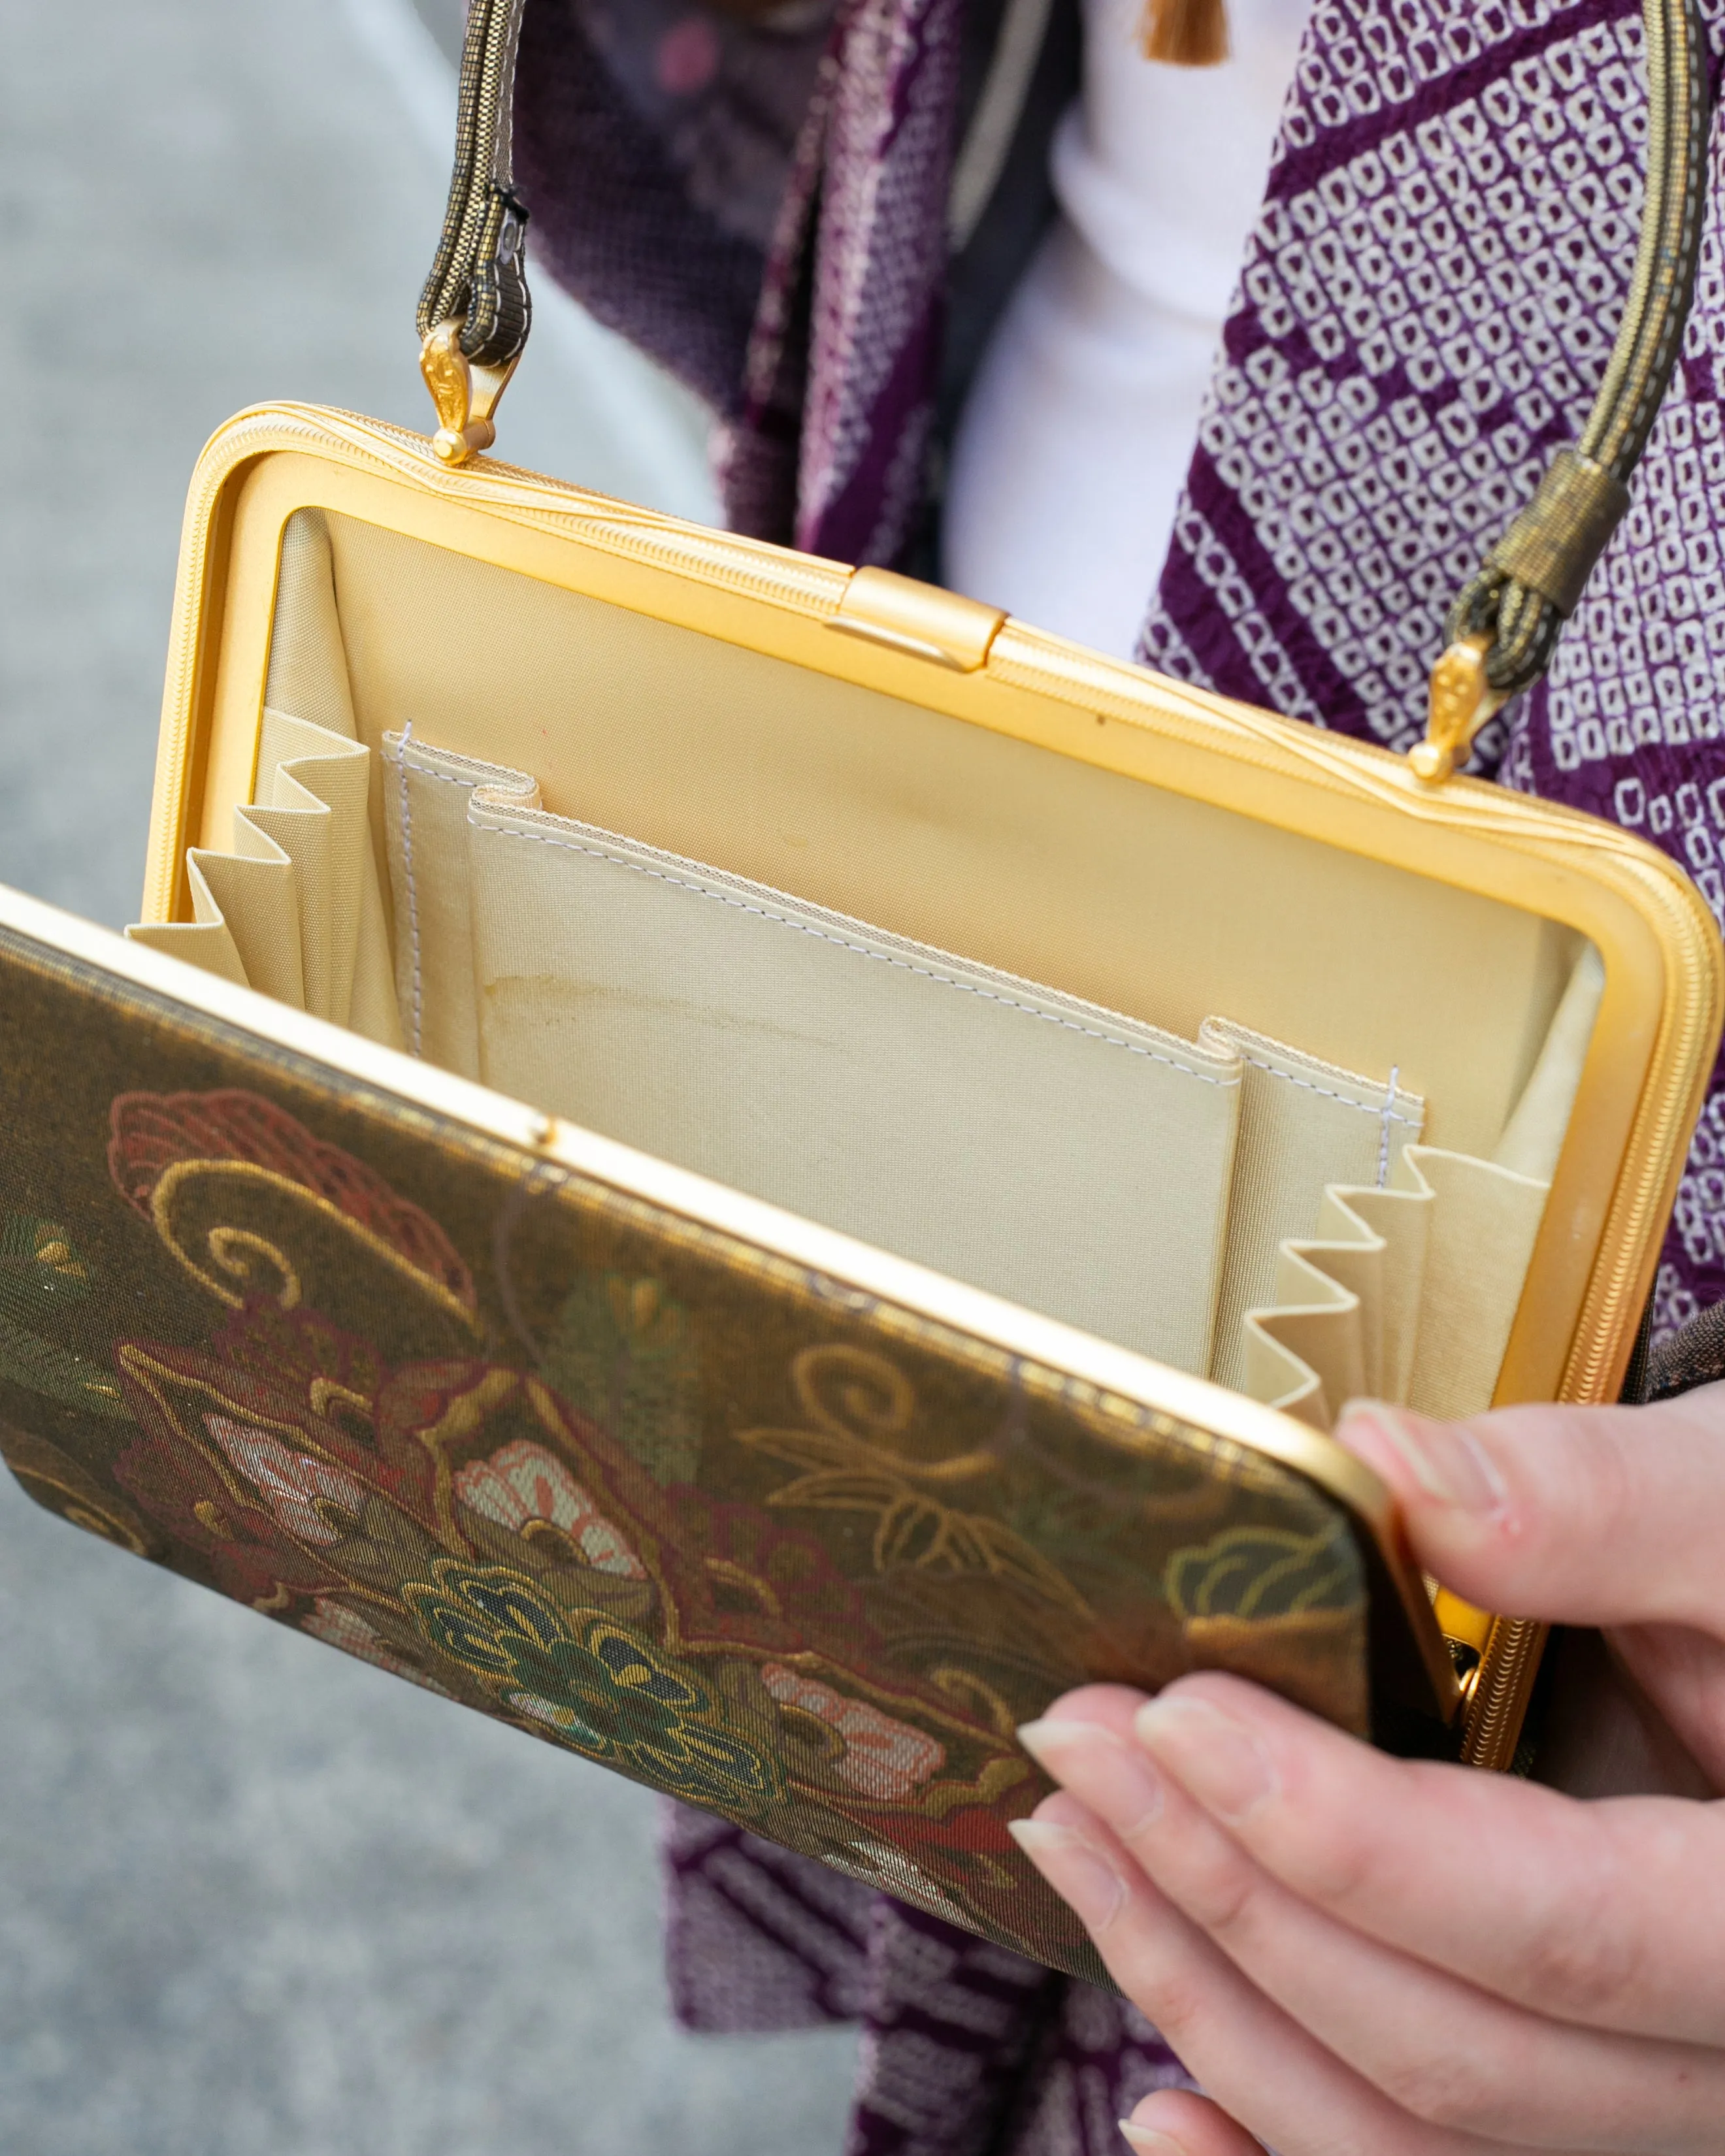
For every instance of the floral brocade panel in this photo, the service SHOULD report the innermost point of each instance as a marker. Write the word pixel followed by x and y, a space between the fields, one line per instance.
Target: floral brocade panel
pixel 736 1530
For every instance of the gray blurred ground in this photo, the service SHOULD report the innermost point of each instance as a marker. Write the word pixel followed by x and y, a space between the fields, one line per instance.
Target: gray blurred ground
pixel 255 1899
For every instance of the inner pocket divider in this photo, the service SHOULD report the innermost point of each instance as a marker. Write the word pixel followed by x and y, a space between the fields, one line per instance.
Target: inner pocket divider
pixel 1033 1144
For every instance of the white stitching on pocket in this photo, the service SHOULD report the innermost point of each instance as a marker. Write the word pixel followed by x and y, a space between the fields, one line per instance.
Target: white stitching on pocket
pixel 861 950
pixel 407 861
pixel 1328 1093
pixel 1384 1122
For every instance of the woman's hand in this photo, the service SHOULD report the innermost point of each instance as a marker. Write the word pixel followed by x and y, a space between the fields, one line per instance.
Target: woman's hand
pixel 1362 1956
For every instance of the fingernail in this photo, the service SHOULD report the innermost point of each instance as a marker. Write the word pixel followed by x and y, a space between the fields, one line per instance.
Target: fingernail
pixel 1076 1869
pixel 1114 1777
pixel 1217 1759
pixel 1442 1461
pixel 1149 2142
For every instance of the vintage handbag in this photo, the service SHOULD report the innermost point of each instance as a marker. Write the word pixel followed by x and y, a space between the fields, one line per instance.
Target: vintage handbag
pixel 756 1169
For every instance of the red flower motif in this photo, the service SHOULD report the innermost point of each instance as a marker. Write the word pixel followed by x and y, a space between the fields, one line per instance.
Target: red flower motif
pixel 153 1133
pixel 523 1487
pixel 883 1757
pixel 261 1453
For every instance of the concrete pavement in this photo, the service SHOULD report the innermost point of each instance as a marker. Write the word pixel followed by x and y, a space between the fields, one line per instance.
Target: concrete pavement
pixel 256 1899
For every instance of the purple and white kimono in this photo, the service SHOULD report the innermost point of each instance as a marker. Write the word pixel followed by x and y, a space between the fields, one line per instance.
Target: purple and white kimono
pixel 1424 311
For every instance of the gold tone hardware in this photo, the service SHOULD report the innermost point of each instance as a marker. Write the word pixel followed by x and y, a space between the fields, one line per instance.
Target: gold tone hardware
pixel 465 396
pixel 1459 1620
pixel 884 608
pixel 1497 1699
pixel 1463 700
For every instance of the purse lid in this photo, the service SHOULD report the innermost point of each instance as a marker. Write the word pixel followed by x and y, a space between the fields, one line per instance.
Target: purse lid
pixel 723 1500
pixel 757 1512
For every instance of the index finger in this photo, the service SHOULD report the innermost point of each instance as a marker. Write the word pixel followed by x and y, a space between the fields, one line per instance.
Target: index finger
pixel 1606 1914
pixel 1577 1516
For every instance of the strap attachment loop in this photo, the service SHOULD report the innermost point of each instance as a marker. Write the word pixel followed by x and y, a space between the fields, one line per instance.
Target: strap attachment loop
pixel 1511 612
pixel 477 291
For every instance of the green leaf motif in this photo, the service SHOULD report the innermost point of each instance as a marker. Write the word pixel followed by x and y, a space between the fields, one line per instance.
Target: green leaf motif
pixel 39 1366
pixel 622 1352
pixel 42 1274
pixel 40 1269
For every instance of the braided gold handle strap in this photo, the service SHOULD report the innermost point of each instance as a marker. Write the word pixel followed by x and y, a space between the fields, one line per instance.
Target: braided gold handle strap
pixel 475 314
pixel 1503 627
pixel 476 310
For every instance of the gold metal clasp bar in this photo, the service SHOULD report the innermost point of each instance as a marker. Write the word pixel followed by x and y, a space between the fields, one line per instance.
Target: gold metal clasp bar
pixel 884 608
pixel 1462 700
pixel 465 396
pixel 930 623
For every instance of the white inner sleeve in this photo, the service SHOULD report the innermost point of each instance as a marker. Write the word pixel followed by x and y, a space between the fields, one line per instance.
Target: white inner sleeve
pixel 1075 441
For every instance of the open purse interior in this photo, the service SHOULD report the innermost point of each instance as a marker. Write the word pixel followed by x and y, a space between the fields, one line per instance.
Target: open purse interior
pixel 1265 1110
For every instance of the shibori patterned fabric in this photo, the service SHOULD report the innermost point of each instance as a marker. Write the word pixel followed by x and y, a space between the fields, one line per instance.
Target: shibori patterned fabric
pixel 735 1529
pixel 764 211
pixel 1423 313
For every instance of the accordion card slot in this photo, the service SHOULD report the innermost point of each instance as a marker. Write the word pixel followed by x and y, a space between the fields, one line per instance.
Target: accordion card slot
pixel 294 909
pixel 1304 1125
pixel 1407 1286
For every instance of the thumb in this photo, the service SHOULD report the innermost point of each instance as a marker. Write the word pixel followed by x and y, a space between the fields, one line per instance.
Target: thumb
pixel 1579 1516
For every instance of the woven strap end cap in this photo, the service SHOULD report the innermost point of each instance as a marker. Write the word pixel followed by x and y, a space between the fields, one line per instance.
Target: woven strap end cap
pixel 1555 543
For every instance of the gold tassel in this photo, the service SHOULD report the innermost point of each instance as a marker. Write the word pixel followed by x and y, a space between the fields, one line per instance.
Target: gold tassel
pixel 1185 33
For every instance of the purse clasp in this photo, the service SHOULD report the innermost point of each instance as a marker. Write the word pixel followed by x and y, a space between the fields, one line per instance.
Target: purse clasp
pixel 466 396
pixel 922 619
pixel 1463 700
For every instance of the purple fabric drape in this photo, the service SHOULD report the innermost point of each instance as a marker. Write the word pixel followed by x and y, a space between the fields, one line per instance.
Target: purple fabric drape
pixel 819 351
pixel 843 362
pixel 966 2049
pixel 1424 310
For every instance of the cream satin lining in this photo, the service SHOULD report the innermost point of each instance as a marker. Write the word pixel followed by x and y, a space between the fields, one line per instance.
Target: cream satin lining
pixel 1228 1203
pixel 1027 1142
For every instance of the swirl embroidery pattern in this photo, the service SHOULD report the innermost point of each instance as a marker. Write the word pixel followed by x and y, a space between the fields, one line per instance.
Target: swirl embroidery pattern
pixel 632 1492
